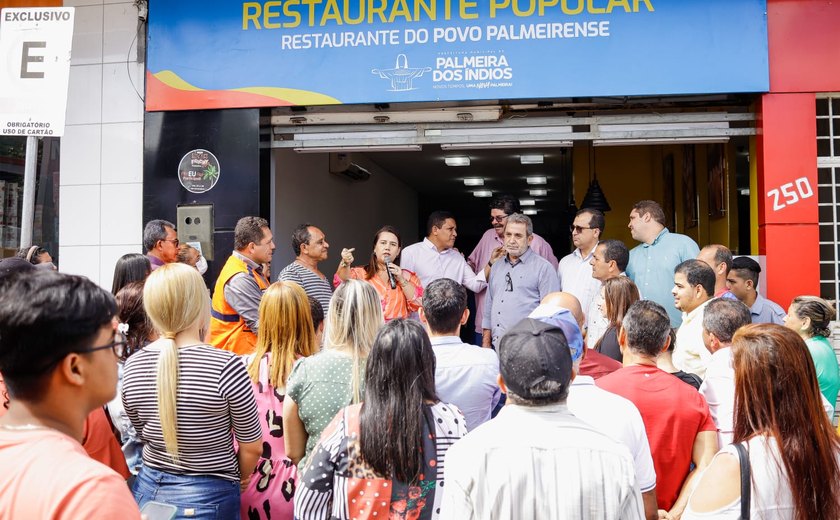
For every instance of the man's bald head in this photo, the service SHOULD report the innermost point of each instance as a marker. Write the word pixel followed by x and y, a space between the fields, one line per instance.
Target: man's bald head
pixel 567 301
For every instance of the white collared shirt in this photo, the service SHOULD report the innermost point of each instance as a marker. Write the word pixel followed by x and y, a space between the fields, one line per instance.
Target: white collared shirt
pixel 539 462
pixel 576 278
pixel 618 418
pixel 719 390
pixel 429 264
pixel 691 354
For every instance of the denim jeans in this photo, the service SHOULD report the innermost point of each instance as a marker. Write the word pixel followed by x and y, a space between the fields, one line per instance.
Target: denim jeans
pixel 196 497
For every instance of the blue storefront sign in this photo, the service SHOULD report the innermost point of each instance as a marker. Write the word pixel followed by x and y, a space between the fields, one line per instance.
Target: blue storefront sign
pixel 221 54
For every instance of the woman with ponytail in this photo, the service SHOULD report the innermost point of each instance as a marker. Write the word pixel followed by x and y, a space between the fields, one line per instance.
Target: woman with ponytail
pixel 187 402
pixel 810 317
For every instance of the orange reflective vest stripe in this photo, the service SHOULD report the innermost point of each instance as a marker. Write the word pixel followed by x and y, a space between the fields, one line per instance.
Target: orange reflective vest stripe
pixel 228 330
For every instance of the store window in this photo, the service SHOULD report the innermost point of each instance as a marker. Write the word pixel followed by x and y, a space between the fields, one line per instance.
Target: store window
pixel 828 181
pixel 45 222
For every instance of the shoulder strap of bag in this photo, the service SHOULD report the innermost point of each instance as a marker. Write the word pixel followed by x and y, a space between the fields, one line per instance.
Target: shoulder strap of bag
pixel 746 487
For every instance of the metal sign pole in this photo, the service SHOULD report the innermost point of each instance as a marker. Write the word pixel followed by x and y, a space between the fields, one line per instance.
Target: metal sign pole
pixel 28 213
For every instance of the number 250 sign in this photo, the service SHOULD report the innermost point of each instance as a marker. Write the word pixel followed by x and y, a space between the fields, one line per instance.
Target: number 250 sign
pixel 790 193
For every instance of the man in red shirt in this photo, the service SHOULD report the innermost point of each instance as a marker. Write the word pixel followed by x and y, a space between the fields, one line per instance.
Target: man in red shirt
pixel 679 426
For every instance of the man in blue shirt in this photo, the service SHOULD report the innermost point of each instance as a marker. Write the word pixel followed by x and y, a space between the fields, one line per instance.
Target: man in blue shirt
pixel 652 262
pixel 465 375
pixel 518 281
pixel 742 281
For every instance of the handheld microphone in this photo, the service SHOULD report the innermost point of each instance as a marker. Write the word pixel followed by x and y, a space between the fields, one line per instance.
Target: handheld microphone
pixel 391 279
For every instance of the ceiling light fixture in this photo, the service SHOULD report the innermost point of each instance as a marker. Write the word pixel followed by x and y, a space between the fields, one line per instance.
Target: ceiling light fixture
pixel 538 193
pixel 534 158
pixel 457 160
pixel 527 202
pixel 529 211
pixel 502 144
pixel 474 181
pixel 536 180
pixel 483 193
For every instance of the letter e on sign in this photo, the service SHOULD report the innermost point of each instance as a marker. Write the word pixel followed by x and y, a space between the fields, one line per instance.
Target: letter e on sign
pixel 35 46
pixel 26 58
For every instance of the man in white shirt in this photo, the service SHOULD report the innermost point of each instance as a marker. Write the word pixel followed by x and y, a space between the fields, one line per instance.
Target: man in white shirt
pixel 435 258
pixel 720 321
pixel 465 375
pixel 575 270
pixel 609 260
pixel 611 414
pixel 694 285
pixel 536 459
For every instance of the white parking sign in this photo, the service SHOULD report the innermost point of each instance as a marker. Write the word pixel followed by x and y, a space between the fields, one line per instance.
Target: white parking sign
pixel 35 46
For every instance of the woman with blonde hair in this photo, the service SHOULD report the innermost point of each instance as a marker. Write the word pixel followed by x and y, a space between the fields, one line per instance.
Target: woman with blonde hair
pixel 323 384
pixel 286 334
pixel 187 401
pixel 782 434
pixel 810 317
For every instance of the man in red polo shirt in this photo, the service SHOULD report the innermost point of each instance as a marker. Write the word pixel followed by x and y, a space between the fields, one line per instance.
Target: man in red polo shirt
pixel 679 426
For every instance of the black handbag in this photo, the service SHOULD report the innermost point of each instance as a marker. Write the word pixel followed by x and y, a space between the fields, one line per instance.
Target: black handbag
pixel 746 484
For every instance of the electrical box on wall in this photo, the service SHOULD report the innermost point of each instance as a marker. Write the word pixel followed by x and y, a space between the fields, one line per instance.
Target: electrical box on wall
pixel 195 224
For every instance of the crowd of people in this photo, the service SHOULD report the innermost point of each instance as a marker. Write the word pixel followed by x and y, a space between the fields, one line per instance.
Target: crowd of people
pixel 609 384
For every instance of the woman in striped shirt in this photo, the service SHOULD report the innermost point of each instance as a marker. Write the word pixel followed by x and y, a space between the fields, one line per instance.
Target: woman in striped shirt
pixel 398 301
pixel 184 398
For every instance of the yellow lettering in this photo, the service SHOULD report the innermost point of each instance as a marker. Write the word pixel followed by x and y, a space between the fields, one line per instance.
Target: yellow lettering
pixel 568 10
pixel 331 13
pixel 431 11
pixel 447 10
pixel 547 3
pixel 270 14
pixel 399 9
pixel 288 12
pixel 592 9
pixel 311 4
pixel 647 4
pixel 623 3
pixel 360 18
pixel 518 12
pixel 464 14
pixel 377 10
pixel 498 5
pixel 251 13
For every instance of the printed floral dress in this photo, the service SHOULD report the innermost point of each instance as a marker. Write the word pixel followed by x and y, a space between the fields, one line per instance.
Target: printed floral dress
pixel 270 494
pixel 337 483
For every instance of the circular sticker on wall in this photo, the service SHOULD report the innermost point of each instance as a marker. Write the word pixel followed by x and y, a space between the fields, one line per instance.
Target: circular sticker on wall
pixel 199 171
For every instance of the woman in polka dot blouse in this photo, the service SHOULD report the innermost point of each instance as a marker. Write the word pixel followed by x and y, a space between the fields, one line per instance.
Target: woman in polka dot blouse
pixel 383 458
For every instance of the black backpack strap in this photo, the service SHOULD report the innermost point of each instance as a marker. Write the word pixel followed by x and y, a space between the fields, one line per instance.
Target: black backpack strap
pixel 746 484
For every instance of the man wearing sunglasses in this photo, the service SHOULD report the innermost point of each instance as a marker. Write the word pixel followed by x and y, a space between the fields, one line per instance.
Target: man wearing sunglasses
pixel 575 271
pixel 58 355
pixel 491 247
pixel 160 242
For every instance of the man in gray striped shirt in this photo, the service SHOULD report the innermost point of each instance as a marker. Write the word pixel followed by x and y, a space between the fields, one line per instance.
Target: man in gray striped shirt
pixel 536 459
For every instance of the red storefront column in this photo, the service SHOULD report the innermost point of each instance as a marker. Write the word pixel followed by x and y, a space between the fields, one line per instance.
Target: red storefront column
pixel 787 195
